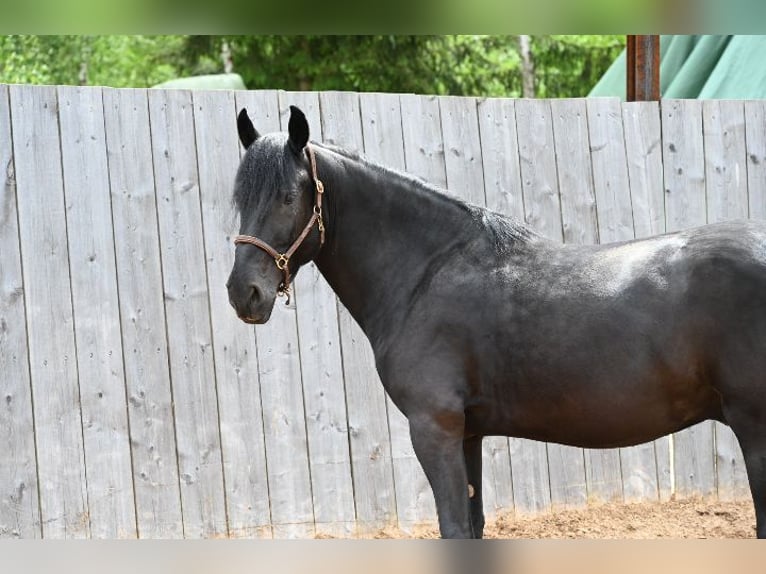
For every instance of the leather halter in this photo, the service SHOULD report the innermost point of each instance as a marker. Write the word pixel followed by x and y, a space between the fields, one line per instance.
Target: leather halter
pixel 282 260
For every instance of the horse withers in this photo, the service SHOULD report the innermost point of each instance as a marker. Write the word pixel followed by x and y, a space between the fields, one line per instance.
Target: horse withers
pixel 482 327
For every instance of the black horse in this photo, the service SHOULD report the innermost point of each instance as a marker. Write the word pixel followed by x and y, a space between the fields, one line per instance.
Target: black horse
pixel 481 327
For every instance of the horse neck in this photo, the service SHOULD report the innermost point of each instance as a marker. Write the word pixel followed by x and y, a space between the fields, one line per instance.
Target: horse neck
pixel 386 234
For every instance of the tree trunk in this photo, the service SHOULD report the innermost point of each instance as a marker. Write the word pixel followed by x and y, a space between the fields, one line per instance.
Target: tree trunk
pixel 82 76
pixel 228 65
pixel 527 68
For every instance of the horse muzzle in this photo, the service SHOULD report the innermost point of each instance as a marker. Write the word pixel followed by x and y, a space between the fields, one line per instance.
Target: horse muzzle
pixel 252 305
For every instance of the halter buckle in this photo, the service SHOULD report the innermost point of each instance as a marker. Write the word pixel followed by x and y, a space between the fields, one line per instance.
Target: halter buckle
pixel 281 262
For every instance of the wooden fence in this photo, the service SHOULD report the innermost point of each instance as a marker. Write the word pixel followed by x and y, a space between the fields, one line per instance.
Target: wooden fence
pixel 134 403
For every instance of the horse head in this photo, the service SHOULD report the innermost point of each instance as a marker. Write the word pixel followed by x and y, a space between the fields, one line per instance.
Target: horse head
pixel 278 198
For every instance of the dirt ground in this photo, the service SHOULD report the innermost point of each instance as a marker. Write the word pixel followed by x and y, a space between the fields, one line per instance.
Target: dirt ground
pixel 695 518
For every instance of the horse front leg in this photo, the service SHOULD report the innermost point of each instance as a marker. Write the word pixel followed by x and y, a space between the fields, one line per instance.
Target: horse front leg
pixel 473 460
pixel 437 438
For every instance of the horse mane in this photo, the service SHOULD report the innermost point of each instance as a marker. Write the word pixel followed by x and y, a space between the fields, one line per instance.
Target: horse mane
pixel 504 231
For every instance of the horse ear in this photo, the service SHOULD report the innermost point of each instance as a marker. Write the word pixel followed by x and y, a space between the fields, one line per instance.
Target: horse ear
pixel 298 128
pixel 247 132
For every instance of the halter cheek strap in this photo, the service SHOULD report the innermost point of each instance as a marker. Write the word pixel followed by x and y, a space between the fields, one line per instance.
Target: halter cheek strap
pixel 282 260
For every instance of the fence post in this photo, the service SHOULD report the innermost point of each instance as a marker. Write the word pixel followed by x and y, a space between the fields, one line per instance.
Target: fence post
pixel 643 68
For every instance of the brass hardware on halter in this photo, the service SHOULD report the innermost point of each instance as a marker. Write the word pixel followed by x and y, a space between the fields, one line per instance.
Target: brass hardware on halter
pixel 281 262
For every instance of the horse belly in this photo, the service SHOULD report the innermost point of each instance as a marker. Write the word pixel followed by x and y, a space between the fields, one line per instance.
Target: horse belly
pixel 595 411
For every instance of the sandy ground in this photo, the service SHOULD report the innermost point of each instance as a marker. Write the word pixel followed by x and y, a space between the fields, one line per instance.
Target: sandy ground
pixel 693 518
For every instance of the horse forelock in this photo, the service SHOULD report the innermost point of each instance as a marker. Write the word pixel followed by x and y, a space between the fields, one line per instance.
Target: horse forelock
pixel 260 173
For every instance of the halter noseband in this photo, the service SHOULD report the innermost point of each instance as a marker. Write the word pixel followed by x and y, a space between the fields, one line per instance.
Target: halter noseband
pixel 282 260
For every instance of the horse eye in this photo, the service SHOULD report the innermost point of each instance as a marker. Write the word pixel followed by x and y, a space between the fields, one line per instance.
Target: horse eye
pixel 290 196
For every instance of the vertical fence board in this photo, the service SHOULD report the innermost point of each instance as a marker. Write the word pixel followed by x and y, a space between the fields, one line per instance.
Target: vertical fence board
pixel 537 159
pixel 643 148
pixel 383 142
pixel 465 178
pixel 755 135
pixel 500 156
pixel 462 148
pixel 631 472
pixel 542 211
pixel 424 156
pixel 92 265
pixel 279 370
pixel 727 198
pixel 580 226
pixel 320 343
pixel 139 278
pixel 685 206
pixel 236 366
pixel 188 314
pixel 423 142
pixel 45 265
pixel 19 503
pixel 610 172
pixel 578 198
pixel 321 370
pixel 502 190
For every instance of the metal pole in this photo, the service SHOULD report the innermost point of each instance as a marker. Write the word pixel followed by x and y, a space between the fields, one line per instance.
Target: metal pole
pixel 643 68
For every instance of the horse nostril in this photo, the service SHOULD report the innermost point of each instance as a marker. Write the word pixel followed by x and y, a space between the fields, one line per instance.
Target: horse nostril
pixel 255 296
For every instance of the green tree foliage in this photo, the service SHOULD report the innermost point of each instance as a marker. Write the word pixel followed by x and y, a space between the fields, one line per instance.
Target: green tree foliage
pixel 419 64
pixel 569 66
pixel 118 61
pixel 565 66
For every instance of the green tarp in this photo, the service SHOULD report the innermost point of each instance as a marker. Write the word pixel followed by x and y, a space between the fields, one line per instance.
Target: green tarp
pixel 711 67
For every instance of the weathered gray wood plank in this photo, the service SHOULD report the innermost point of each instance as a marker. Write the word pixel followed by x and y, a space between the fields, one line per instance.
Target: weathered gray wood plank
pixel 580 226
pixel 462 148
pixel 322 368
pixel 19 503
pixel 372 420
pixel 542 211
pixel 92 266
pixel 531 476
pixel 755 135
pixel 309 104
pixel 610 171
pixel 188 313
pixel 236 365
pixel 537 158
pixel 650 476
pixel 279 370
pixel 500 156
pixel 465 178
pixel 632 472
pixel 144 341
pixel 423 142
pixel 383 141
pixel 685 205
pixel 502 189
pixel 727 198
pixel 573 159
pixel 725 160
pixel 52 351
pixel 643 147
